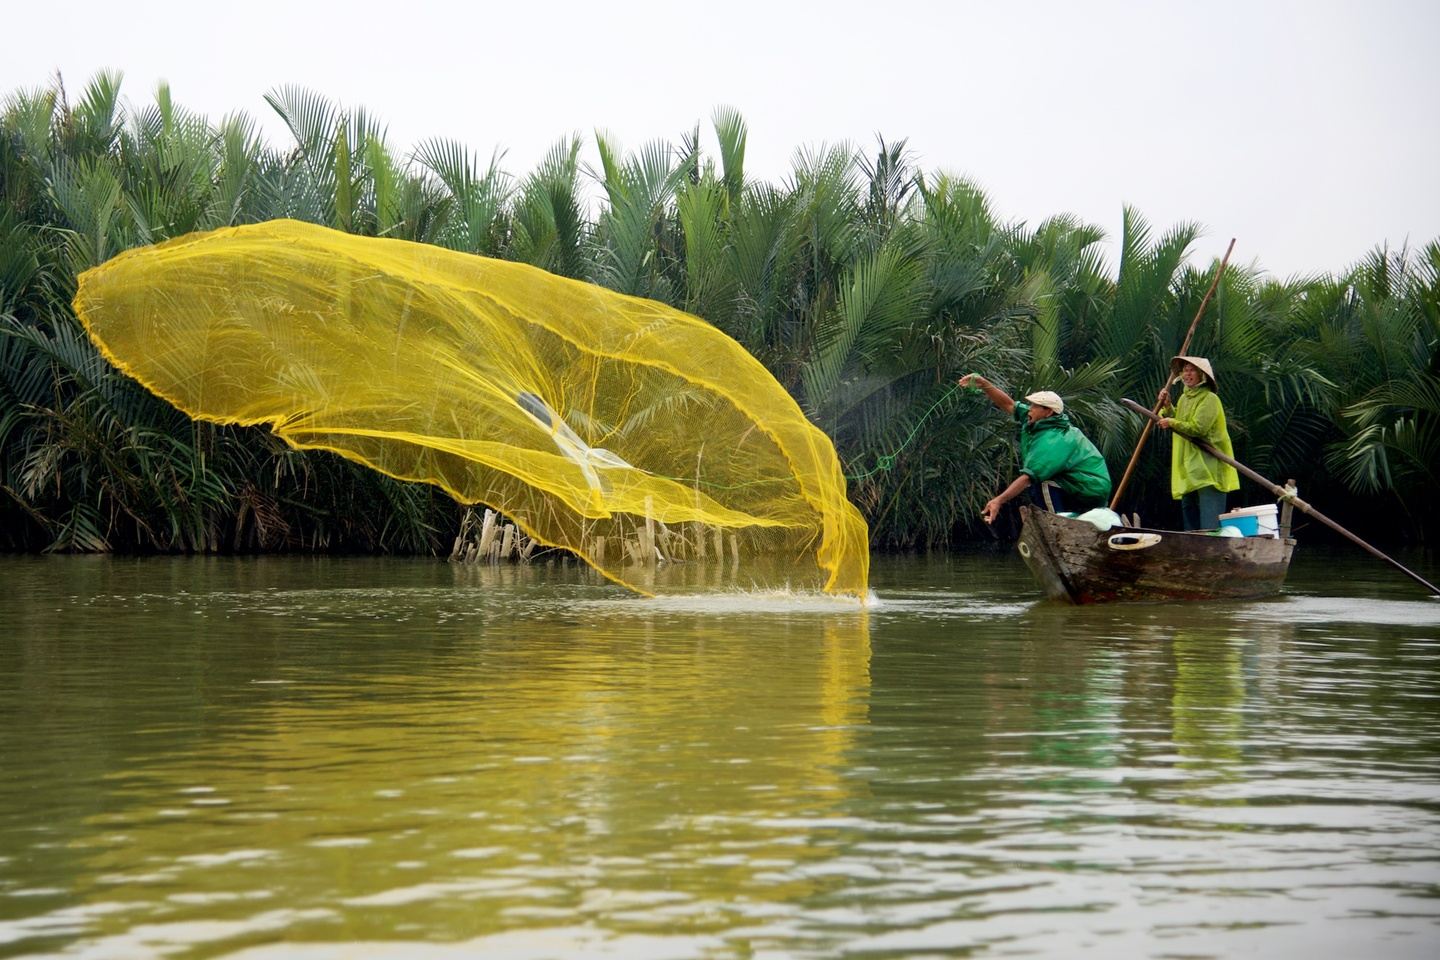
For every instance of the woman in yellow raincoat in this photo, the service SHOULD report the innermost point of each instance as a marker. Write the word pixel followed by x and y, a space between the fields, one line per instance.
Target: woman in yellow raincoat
pixel 1197 480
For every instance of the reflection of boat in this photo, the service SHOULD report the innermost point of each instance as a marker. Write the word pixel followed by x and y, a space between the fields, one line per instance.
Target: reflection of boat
pixel 1075 562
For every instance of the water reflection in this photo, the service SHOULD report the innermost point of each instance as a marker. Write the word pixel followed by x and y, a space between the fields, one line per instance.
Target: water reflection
pixel 413 759
pixel 521 758
pixel 1175 763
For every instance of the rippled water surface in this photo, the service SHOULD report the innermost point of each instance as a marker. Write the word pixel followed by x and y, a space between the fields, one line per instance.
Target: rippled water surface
pixel 268 758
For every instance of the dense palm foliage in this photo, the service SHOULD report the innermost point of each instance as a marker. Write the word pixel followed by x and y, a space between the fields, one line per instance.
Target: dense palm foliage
pixel 866 286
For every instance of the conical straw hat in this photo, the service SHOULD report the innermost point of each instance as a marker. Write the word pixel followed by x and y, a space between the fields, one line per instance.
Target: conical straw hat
pixel 1200 362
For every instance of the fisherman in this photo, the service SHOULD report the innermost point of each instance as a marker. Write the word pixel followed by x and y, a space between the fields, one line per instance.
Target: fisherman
pixel 1197 480
pixel 1051 449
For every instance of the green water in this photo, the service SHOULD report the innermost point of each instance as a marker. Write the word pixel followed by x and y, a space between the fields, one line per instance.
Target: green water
pixel 356 758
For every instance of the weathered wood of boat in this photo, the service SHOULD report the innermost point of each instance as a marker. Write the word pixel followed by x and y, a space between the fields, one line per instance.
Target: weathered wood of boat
pixel 1075 562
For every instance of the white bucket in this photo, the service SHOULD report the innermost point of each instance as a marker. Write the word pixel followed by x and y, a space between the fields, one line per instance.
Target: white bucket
pixel 1261 521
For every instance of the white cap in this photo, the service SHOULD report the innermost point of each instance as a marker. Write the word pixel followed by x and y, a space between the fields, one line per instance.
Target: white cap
pixel 1047 398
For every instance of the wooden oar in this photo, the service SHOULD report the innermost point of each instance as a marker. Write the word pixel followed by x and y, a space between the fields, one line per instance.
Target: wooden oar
pixel 1184 349
pixel 1284 494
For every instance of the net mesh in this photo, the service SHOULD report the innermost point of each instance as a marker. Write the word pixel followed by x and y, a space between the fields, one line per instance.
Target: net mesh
pixel 578 412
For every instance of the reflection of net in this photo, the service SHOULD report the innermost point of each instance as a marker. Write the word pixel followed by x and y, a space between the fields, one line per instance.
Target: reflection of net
pixel 576 411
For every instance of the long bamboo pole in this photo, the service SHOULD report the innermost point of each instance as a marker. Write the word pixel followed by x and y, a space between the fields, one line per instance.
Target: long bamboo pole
pixel 1285 494
pixel 1169 379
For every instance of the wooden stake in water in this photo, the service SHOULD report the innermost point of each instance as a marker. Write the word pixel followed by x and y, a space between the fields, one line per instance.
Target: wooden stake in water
pixel 647 545
pixel 487 532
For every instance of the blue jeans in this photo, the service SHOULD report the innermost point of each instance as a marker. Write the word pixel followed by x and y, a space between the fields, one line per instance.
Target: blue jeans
pixel 1063 501
pixel 1038 498
pixel 1201 509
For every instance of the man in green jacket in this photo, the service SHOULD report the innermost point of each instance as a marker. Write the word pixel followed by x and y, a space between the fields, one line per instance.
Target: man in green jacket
pixel 1197 480
pixel 1051 448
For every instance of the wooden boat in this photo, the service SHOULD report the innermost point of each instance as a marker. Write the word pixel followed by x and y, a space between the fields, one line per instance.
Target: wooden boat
pixel 1075 562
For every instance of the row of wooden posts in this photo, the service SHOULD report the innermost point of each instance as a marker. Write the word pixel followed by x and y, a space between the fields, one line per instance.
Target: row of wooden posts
pixel 488 538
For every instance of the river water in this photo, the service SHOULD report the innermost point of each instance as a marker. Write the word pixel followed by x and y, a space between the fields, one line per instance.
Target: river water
pixel 267 758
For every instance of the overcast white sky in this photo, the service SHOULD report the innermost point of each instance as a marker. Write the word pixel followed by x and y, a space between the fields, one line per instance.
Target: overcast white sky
pixel 1308 129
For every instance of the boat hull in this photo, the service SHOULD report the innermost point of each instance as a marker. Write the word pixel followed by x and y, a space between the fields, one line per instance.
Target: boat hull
pixel 1075 563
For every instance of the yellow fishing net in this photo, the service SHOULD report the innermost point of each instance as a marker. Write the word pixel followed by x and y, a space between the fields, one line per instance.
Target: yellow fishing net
pixel 586 416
